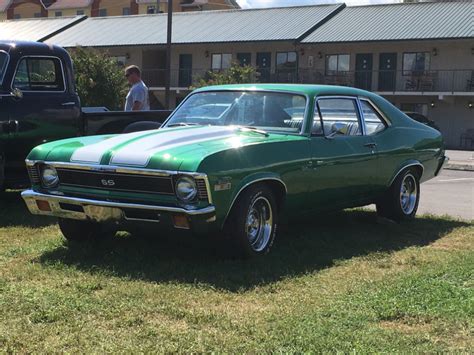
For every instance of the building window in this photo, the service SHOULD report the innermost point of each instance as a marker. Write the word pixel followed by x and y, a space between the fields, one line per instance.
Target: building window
pixel 415 107
pixel 121 60
pixel 151 10
pixel 58 14
pixel 18 16
pixel 286 60
pixel 37 14
pixel 80 12
pixel 221 61
pixel 337 64
pixel 416 63
pixel 102 12
pixel 126 11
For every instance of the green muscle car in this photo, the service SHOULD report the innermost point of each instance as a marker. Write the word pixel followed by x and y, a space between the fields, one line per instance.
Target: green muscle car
pixel 232 161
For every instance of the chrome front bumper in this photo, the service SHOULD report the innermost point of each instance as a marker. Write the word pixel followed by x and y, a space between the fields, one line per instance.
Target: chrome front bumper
pixel 105 211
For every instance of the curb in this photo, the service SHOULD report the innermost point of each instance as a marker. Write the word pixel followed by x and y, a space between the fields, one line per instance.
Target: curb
pixel 462 167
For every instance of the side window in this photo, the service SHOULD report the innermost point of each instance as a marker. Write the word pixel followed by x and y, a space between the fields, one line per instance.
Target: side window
pixel 373 122
pixel 39 74
pixel 339 117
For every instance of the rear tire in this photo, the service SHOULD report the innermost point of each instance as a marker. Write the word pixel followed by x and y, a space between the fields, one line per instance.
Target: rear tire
pixel 253 222
pixel 78 231
pixel 401 200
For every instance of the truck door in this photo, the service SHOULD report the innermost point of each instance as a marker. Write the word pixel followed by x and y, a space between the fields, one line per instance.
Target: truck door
pixel 43 110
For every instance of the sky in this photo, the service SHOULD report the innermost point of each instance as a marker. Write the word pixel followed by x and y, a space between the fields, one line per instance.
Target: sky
pixel 273 3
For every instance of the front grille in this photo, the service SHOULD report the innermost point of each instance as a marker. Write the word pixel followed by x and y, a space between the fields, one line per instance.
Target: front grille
pixel 112 181
pixel 34 175
pixel 202 189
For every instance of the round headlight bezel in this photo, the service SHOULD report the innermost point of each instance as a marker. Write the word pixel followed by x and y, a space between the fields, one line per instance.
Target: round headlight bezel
pixel 49 176
pixel 186 188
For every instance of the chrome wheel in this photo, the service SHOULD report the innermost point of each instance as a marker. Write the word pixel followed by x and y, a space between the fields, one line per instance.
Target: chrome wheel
pixel 408 194
pixel 259 224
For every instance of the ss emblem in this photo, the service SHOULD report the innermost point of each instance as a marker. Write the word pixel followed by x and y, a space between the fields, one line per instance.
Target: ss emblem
pixel 107 182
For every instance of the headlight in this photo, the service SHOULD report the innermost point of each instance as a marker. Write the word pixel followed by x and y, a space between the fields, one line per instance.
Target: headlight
pixel 186 189
pixel 49 176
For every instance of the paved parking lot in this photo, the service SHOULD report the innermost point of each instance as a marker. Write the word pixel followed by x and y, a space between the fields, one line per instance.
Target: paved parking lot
pixel 451 193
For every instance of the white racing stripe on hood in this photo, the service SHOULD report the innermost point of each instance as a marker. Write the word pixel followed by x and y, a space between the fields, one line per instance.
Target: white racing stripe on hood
pixel 93 153
pixel 140 152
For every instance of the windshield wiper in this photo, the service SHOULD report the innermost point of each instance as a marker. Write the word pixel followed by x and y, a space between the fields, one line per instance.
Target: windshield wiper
pixel 182 124
pixel 252 129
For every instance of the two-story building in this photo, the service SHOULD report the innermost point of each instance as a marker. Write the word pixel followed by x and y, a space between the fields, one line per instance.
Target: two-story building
pixel 21 9
pixel 419 56
pixel 16 9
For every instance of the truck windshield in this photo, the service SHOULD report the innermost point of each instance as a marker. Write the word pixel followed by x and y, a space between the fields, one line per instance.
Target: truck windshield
pixel 269 111
pixel 3 64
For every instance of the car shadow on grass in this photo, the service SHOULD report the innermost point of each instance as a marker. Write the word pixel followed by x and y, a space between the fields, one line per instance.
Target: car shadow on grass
pixel 14 213
pixel 302 248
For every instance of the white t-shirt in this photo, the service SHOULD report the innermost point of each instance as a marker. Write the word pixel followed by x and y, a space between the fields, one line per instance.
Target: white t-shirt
pixel 138 92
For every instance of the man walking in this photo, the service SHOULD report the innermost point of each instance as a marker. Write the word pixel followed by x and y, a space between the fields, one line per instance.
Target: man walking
pixel 137 98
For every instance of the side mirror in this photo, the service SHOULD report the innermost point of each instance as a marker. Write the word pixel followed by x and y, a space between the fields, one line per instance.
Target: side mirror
pixel 17 93
pixel 338 129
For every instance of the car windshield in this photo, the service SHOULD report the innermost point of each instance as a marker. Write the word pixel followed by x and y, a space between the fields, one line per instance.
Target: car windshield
pixel 3 64
pixel 268 111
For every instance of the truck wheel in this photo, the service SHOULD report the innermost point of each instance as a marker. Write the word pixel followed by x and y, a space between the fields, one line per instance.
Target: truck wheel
pixel 141 126
pixel 253 222
pixel 401 201
pixel 74 230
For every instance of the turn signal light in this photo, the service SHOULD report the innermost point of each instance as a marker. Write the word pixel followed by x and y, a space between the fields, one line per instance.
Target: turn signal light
pixel 180 221
pixel 43 206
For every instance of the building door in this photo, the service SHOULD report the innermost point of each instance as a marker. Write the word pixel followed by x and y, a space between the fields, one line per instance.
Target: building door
pixel 185 70
pixel 264 65
pixel 363 74
pixel 387 71
pixel 244 58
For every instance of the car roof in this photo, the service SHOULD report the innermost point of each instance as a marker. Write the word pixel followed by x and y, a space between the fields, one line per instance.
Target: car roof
pixel 304 89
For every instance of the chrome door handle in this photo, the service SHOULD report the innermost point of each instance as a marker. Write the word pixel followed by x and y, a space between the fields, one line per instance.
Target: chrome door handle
pixel 71 103
pixel 370 145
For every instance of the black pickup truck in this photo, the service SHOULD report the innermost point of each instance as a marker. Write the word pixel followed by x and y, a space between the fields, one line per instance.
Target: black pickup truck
pixel 39 103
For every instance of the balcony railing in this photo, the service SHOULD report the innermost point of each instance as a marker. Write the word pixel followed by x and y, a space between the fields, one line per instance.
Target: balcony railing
pixel 388 81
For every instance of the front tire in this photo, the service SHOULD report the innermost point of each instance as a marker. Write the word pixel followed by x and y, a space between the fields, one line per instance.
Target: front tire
pixel 253 222
pixel 80 231
pixel 401 201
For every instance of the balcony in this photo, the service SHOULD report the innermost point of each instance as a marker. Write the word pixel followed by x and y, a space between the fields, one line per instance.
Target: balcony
pixel 436 82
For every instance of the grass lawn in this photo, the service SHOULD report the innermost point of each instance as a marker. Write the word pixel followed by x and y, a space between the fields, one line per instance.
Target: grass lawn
pixel 344 282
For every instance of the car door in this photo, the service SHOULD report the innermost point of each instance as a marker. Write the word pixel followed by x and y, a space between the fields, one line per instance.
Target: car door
pixel 43 111
pixel 343 156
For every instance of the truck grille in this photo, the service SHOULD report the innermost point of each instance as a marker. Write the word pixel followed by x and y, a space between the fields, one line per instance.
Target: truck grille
pixel 112 181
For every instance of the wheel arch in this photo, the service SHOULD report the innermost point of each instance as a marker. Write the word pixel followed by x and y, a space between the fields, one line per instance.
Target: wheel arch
pixel 411 164
pixel 275 183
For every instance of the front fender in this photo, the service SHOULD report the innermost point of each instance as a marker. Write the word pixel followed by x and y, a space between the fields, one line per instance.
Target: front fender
pixel 248 181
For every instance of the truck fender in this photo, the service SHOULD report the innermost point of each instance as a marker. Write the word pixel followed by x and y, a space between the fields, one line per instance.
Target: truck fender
pixel 141 126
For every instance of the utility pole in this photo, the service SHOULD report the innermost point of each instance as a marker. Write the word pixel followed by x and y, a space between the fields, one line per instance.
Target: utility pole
pixel 168 54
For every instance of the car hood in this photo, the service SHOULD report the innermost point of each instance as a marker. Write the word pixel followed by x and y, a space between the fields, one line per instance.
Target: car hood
pixel 165 149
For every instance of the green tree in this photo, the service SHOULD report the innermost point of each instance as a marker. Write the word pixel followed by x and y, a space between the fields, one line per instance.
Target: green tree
pixel 236 74
pixel 99 80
